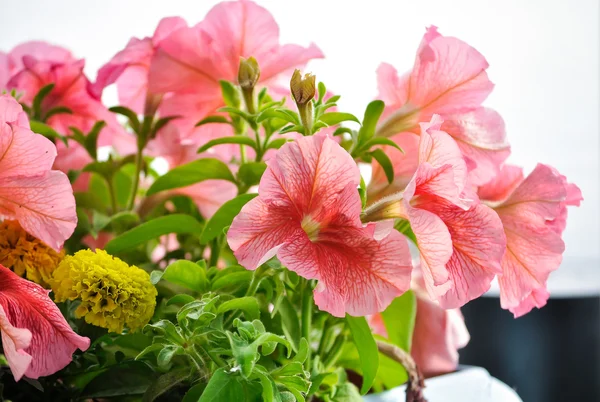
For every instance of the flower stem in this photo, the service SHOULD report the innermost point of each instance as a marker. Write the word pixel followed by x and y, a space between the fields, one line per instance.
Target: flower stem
pixel 113 197
pixel 306 318
pixel 414 390
pixel 335 351
pixel 136 178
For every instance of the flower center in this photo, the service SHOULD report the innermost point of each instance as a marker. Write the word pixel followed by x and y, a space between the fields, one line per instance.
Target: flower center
pixel 25 255
pixel 311 227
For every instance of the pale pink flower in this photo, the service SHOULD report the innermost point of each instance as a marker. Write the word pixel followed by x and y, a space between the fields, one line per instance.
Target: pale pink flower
pixel 39 198
pixel 308 214
pixel 36 339
pixel 129 68
pixel 71 90
pixel 448 78
pixel 460 240
pixel 533 212
pixel 191 61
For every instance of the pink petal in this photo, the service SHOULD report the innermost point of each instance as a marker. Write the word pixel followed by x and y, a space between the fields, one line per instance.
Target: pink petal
pixel 448 76
pixel 21 151
pixel 40 51
pixel 14 341
pixel 74 157
pixel 534 245
pixel 259 230
pixel 43 204
pixel 357 274
pixel 481 136
pixel 500 187
pixel 537 298
pixel 393 90
pixel 5 70
pixel 165 27
pixel 286 58
pixel 478 244
pixel 27 305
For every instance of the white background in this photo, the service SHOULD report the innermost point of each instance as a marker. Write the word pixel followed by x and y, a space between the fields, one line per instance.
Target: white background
pixel 544 58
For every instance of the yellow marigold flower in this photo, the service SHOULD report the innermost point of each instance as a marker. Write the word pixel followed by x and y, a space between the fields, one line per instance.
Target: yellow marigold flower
pixel 112 293
pixel 26 255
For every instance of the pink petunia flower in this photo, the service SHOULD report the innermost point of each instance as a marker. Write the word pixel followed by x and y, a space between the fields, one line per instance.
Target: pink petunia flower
pixel 191 61
pixel 460 240
pixel 39 198
pixel 36 339
pixel 308 214
pixel 534 213
pixel 448 78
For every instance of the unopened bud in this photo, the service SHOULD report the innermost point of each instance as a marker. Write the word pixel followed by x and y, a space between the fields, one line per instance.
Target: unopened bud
pixel 303 88
pixel 248 73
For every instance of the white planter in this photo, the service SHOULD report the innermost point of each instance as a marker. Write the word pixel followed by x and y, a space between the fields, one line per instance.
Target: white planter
pixel 469 384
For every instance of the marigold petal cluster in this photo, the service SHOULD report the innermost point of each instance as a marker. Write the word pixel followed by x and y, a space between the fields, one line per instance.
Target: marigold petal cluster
pixel 112 294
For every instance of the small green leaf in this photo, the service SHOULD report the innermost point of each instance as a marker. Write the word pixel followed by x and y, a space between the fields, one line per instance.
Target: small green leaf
pixel 381 141
pixel 165 382
pixel 177 299
pixel 160 123
pixel 322 90
pixel 223 387
pixel 277 114
pixel 39 98
pixel 232 279
pixel 250 173
pixel 333 118
pixel 248 304
pixel 47 131
pixel 223 217
pixel 302 353
pixel 192 173
pixel 290 322
pixel 91 141
pixel 130 378
pixel 57 110
pixel 230 93
pixel 347 392
pixel 134 122
pixel 372 114
pixel 238 139
pixel 164 357
pixel 213 119
pixel 367 350
pixel 399 319
pixel 276 143
pixel 292 129
pixel 183 273
pixel 163 225
pixel 194 393
pixel 385 163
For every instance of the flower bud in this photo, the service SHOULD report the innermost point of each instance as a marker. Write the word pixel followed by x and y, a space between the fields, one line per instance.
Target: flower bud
pixel 303 89
pixel 248 73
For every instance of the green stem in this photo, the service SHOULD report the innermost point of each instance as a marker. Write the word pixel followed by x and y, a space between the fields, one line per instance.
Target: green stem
pixel 215 250
pixel 136 178
pixel 259 152
pixel 326 336
pixel 335 352
pixel 113 197
pixel 306 317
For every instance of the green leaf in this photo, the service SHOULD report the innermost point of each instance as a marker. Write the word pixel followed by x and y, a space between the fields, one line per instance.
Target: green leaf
pixel 276 144
pixel 290 322
pixel 160 123
pixel 381 141
pixel 238 139
pixel 302 353
pixel 276 114
pixel 321 90
pixel 230 93
pixel 213 119
pixel 183 273
pixel 39 98
pixel 194 393
pixel 130 378
pixel 334 118
pixel 367 350
pixel 91 141
pixel 134 122
pixel 385 163
pixel 248 304
pixel 342 130
pixel 57 110
pixel 399 320
pixel 372 114
pixel 165 382
pixel 292 129
pixel 164 357
pixel 223 217
pixel 163 225
pixel 177 299
pixel 223 387
pixel 232 279
pixel 192 173
pixel 347 392
pixel 47 131
pixel 250 173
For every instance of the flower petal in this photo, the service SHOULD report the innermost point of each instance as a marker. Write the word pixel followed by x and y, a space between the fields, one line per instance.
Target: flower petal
pixel 448 76
pixel 44 205
pixel 500 187
pixel 14 343
pixel 287 58
pixel 27 305
pixel 209 195
pixel 481 136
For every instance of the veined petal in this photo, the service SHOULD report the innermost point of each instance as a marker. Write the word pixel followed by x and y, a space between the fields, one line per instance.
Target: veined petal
pixel 448 76
pixel 43 204
pixel 501 186
pixel 14 343
pixel 209 195
pixel 27 305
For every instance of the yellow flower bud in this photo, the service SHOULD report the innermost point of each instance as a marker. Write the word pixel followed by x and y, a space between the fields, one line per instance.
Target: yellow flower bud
pixel 303 88
pixel 248 73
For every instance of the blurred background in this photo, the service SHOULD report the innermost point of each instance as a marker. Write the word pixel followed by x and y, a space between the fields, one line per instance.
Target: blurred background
pixel 544 60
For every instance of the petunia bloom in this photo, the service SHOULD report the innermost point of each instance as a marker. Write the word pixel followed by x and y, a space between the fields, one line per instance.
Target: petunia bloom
pixel 460 240
pixel 39 198
pixel 308 214
pixel 36 339
pixel 191 61
pixel 533 212
pixel 448 78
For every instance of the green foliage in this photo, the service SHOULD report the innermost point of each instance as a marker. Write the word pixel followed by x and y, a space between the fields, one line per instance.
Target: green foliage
pixel 192 173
